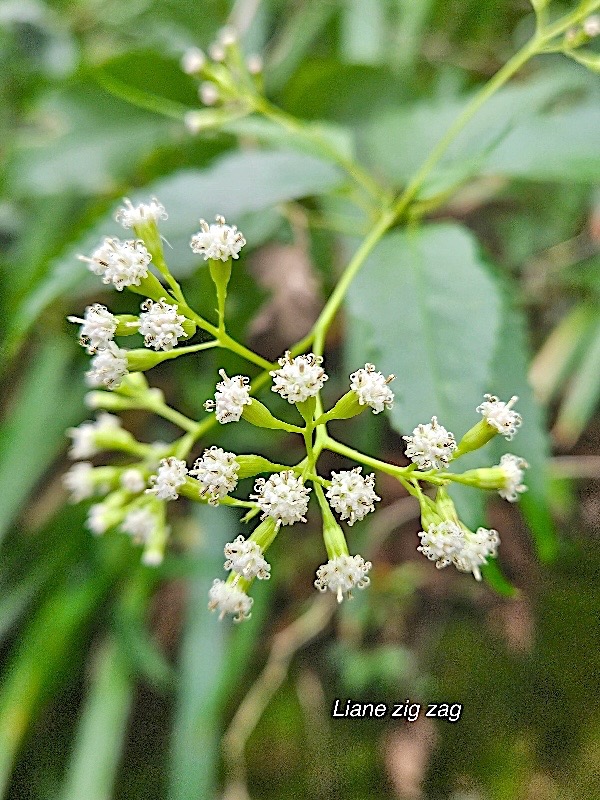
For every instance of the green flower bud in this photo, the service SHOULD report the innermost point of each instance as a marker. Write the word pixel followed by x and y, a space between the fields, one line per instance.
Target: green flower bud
pixel 345 408
pixel 259 415
pixel 127 324
pixel 444 506
pixel 476 437
pixel 307 408
pixel 265 533
pixel 253 465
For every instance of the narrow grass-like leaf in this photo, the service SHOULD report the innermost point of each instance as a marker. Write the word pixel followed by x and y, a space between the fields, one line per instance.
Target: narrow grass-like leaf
pixel 35 670
pixel 582 395
pixel 196 732
pixel 101 731
pixel 46 404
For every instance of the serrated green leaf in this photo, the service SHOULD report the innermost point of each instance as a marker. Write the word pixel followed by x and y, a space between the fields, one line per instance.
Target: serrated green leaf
pixel 432 311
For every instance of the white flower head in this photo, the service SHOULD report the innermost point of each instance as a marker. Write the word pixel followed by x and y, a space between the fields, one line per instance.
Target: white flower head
pixel 351 494
pixel 245 558
pixel 299 378
pixel 217 473
pixel 208 92
pixel 283 497
pixel 193 61
pixel 169 477
pixel 477 548
pixel 129 215
pixel 441 542
pixel 98 519
pixel 97 328
pixel 217 241
pixel 500 415
pixel 231 396
pixel 514 470
pixel 109 367
pixel 132 480
pixel 79 481
pixel 84 435
pixel 591 26
pixel 139 524
pixel 120 263
pixel 228 599
pixel 342 574
pixel 430 446
pixel 372 389
pixel 255 64
pixel 161 325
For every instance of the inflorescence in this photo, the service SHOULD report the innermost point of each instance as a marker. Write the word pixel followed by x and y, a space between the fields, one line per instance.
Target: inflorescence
pixel 133 494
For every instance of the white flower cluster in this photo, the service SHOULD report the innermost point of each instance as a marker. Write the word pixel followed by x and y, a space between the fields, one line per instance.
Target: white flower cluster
pixel 109 367
pixel 139 524
pixel 513 468
pixel 79 481
pixel 447 543
pixel 84 436
pixel 217 473
pixel 120 263
pixel 299 378
pixel 161 325
pixel 129 215
pixel 342 574
pixel 231 396
pixel 500 415
pixel 98 328
pixel 430 446
pixel 351 494
pixel 283 497
pixel 229 600
pixel 218 242
pixel 170 476
pixel 372 389
pixel 132 480
pixel 245 558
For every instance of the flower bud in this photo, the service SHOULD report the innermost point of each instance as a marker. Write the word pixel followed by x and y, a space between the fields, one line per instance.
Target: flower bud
pixel 127 324
pixel 265 533
pixel 259 415
pixel 476 437
pixel 345 408
pixel 253 465
pixel 444 506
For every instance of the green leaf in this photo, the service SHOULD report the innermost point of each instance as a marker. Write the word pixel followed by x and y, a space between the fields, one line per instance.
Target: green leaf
pixel 569 153
pixel 432 312
pixel 364 31
pixel 86 140
pixel 46 404
pixel 241 186
pixel 582 395
pixel 30 678
pixel 196 731
pixel 531 442
pixel 493 576
pixel 102 727
pixel 399 141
